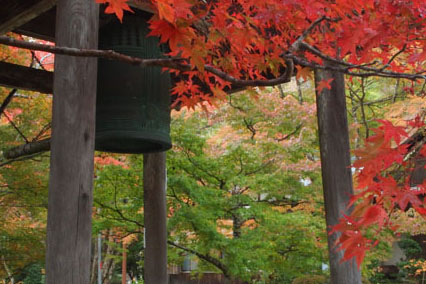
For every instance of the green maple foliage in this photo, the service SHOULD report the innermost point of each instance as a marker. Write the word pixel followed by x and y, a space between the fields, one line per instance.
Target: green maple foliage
pixel 250 41
pixel 235 190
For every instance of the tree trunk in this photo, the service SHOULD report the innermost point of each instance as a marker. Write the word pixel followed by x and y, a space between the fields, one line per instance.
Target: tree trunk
pixel 72 146
pixel 154 179
pixel 335 167
pixel 236 226
pixel 124 265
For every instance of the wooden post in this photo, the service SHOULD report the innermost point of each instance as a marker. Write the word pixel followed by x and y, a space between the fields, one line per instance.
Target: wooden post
pixel 335 167
pixel 154 178
pixel 72 146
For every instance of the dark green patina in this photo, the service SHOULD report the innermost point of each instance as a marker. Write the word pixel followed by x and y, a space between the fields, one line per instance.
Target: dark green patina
pixel 133 103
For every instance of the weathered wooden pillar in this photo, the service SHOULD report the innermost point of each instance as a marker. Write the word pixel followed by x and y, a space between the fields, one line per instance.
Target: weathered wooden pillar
pixel 154 179
pixel 335 167
pixel 72 146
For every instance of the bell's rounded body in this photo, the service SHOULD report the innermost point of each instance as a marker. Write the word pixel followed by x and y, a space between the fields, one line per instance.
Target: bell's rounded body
pixel 133 103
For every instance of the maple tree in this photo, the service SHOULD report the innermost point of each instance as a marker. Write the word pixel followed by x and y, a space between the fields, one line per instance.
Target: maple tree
pixel 245 43
pixel 231 191
pixel 23 184
pixel 234 180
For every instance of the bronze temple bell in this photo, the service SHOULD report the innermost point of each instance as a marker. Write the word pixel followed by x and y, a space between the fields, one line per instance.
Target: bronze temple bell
pixel 133 103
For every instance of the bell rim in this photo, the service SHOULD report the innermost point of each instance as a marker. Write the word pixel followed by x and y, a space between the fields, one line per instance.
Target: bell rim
pixel 163 141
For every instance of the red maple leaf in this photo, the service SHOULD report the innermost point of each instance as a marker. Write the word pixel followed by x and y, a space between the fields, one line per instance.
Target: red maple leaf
pixel 116 7
pixel 324 84
pixel 390 131
pixel 374 215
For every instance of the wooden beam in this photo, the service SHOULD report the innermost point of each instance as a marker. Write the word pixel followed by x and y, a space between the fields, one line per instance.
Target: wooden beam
pixel 69 227
pixel 335 167
pixel 42 27
pixel 155 216
pixel 25 78
pixel 15 13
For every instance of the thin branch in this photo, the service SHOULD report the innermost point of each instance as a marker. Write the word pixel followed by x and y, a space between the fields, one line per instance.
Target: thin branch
pixel 196 165
pixel 172 63
pixel 290 134
pixel 7 100
pixel 42 132
pixel 296 45
pixel 16 128
pixel 205 257
pixel 176 63
pixel 118 211
pixel 19 159
pixel 235 106
pixel 250 127
pixel 393 57
pixel 363 115
pixel 380 72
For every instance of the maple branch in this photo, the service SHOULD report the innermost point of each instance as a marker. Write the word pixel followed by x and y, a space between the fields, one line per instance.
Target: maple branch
pixel 379 72
pixel 205 257
pixel 28 149
pixel 363 115
pixel 20 158
pixel 172 63
pixel 16 128
pixel 106 54
pixel 298 127
pixel 177 63
pixel 393 57
pixel 119 212
pixel 296 45
pixel 345 68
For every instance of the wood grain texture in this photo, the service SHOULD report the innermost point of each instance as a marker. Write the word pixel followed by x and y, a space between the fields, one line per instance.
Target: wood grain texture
pixel 154 178
pixel 72 147
pixel 335 167
pixel 25 78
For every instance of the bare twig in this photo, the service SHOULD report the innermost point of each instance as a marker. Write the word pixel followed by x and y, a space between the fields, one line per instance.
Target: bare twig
pixel 363 115
pixel 7 100
pixel 23 158
pixel 16 128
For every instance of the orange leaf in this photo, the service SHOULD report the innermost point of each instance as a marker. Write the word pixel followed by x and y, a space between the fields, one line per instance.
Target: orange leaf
pixel 116 7
pixel 303 72
pixel 166 11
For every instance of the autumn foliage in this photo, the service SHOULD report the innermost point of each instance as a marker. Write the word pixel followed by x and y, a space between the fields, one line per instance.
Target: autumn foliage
pixel 247 42
pixel 384 184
